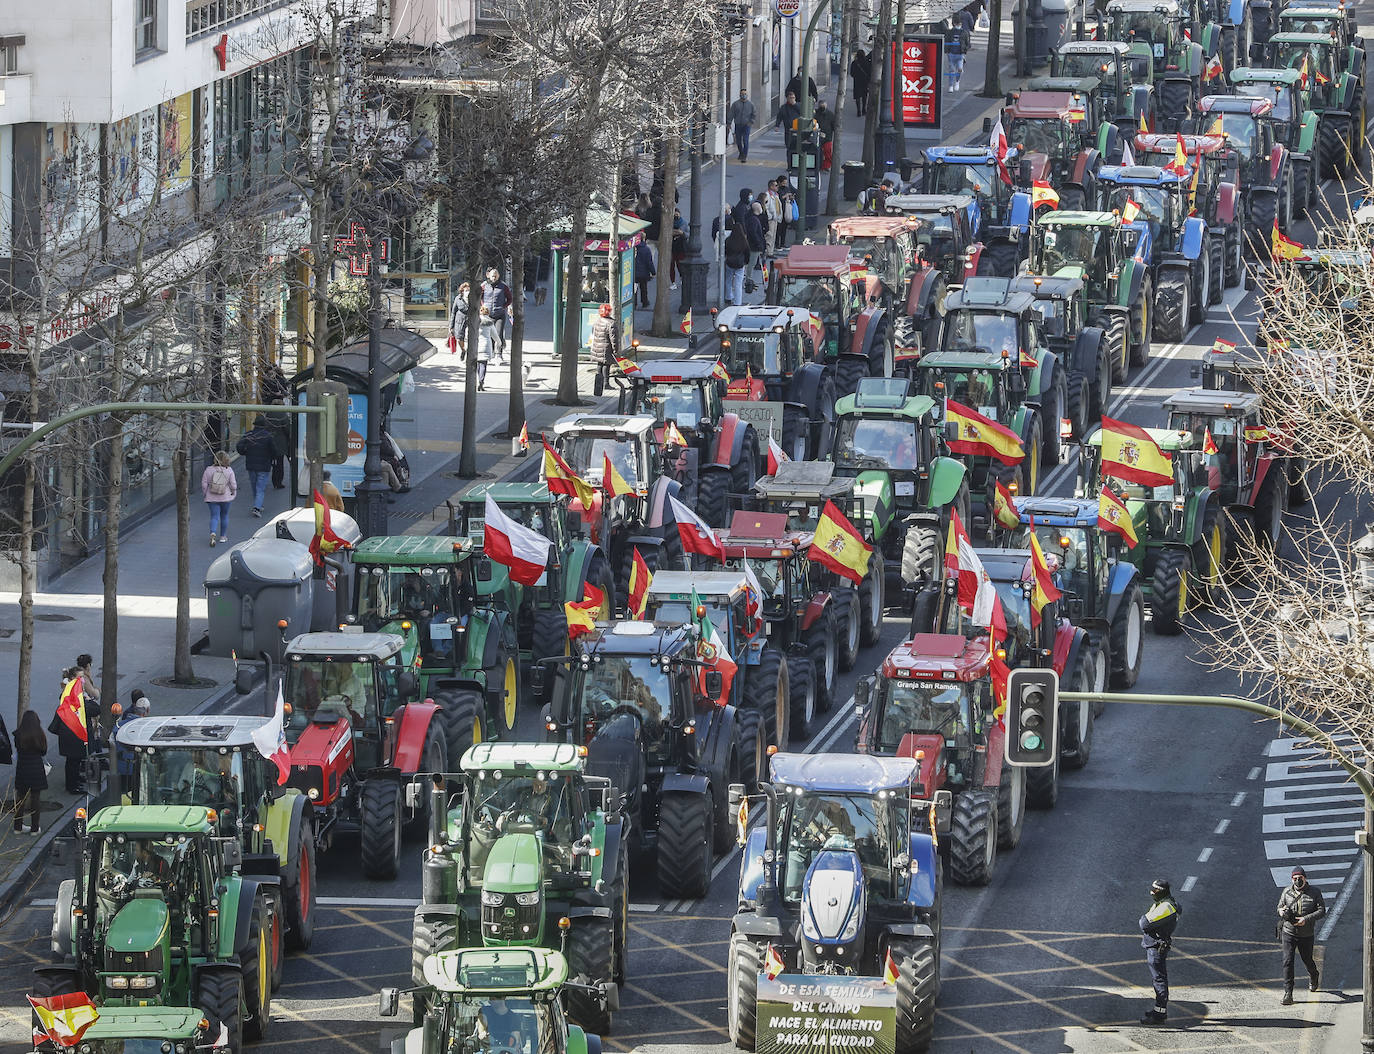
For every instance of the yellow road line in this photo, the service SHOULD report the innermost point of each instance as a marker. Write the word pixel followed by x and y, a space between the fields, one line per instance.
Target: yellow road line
pixel 677 1009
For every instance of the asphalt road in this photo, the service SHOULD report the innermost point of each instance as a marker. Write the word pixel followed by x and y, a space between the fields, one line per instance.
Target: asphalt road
pixel 1044 959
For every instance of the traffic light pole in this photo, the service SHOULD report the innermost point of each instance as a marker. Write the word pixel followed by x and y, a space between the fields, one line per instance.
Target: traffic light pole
pixel 1363 777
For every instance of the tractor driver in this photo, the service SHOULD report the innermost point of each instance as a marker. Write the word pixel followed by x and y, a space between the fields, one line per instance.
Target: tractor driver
pixel 415 595
pixel 816 823
pixel 500 1029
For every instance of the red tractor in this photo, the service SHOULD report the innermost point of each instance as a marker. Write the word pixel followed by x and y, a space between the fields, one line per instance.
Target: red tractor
pixel 358 737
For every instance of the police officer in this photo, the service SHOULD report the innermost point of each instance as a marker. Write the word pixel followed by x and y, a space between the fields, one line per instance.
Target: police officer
pixel 1157 927
pixel 1300 906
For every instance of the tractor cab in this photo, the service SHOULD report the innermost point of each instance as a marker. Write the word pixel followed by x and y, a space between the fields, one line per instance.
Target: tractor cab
pixel 1159 509
pixel 885 426
pixel 1124 98
pixel 932 685
pixel 1283 88
pixel 1058 307
pixel 724 595
pixel 1319 57
pixel 1087 245
pixel 763 347
pixel 961 170
pixel 1067 528
pixel 1165 202
pixel 1232 419
pixel 800 489
pixel 628 440
pixel 1154 30
pixel 945 228
pixel 1056 134
pixel 686 392
pixel 1247 122
pixel 424 589
pixel 881 248
pixel 1010 571
pixel 816 279
pixel 1220 163
pixel 777 557
pixel 1335 20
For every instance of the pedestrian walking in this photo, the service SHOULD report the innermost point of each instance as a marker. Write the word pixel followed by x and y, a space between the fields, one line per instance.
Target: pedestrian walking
pixel 279 424
pixel 737 251
pixel 1157 927
pixel 679 248
pixel 794 86
pixel 330 493
pixel 788 115
pixel 958 40
pixel 644 272
pixel 1300 906
pixel 139 706
pixel 742 116
pixel 825 124
pixel 219 487
pixel 256 446
pixel 602 347
pixel 31 770
pixel 275 388
pixel 487 328
pixel 860 72
pixel 496 298
pixel 458 320
pixel 787 208
pixel 653 216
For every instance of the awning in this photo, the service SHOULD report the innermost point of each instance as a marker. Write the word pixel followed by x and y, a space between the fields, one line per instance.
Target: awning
pixel 401 350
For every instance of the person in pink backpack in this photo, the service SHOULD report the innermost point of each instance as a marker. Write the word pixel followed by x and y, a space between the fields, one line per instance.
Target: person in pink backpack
pixel 219 487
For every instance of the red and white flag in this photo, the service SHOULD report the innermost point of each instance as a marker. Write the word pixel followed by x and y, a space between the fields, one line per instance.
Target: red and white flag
pixel 976 591
pixel 270 739
pixel 696 536
pixel 998 145
pixel 753 592
pixel 521 550
pixel 776 456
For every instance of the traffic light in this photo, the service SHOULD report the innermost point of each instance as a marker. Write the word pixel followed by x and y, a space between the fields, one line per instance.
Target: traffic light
pixel 1032 717
pixel 326 435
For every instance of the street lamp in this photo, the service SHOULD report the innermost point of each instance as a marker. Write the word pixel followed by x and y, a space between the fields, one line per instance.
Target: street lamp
pixel 695 266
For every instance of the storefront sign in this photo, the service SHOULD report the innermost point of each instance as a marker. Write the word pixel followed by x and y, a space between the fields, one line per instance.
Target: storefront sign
pixel 812 1013
pixel 787 8
pixel 922 66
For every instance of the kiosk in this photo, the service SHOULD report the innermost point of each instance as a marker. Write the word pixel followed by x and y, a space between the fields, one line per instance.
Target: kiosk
pixel 608 274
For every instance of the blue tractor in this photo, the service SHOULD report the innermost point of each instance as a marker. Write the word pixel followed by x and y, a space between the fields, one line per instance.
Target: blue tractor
pixel 1178 251
pixel 840 877
pixel 1004 209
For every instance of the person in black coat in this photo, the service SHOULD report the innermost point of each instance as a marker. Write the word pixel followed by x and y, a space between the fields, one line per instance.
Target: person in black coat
pixel 258 448
pixel 72 747
pixel 30 773
pixel 861 72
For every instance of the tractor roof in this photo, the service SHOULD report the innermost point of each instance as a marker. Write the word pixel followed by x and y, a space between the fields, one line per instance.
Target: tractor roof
pixel 843 773
pixel 1005 565
pixel 1139 175
pixel 868 226
pixel 670 371
pixel 1209 401
pixel 964 358
pixel 938 657
pixel 362 646
pixel 1334 258
pixel 678 585
pixel 1058 512
pixel 411 550
pixel 144 1022
pixel 1065 218
pixel 817 260
pixel 1074 85
pixel 1250 104
pixel 960 155
pixel 620 425
pixel 1302 38
pixel 805 481
pixel 496 971
pixel 1094 47
pixel 926 204
pixel 983 292
pixel 763 534
pixel 884 397
pixel 1313 11
pixel 202 733
pixel 1162 7
pixel 1047 105
pixel 558 757
pixel 1048 287
pixel 756 319
pixel 508 494
pixel 628 637
pixel 1167 438
pixel 1253 74
pixel 1157 143
pixel 151 819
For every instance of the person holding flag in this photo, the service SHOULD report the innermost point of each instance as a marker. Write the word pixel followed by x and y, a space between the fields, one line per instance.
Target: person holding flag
pixel 324 542
pixel 72 723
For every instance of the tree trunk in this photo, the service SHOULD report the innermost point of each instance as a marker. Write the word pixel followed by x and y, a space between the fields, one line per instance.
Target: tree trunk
pixel 663 319
pixel 992 79
pixel 182 672
pixel 570 340
pixel 515 411
pixel 878 57
pixel 833 190
pixel 114 507
pixel 467 460
pixel 28 585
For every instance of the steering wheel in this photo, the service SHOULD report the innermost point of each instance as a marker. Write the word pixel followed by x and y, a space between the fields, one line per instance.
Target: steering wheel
pixel 622 708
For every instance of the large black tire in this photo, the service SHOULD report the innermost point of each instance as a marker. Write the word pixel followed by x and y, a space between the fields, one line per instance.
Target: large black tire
pixel 548 638
pixel 591 959
pixel 872 600
pixel 434 929
pixel 219 994
pixel 1173 304
pixel 1071 198
pixel 685 835
pixel 742 990
pixel 1116 335
pixel 1270 504
pixel 973 838
pixel 1033 442
pixel 503 690
pixel 713 496
pixel 924 610
pixel 1052 408
pixel 620 914
pixel 1264 212
pixel 255 966
pixel 1302 185
pixel 1298 491
pixel 1011 806
pixel 1175 104
pixel 753 748
pixel 1216 268
pixel 1143 325
pixel 1042 785
pixel 298 888
pixel 1128 639
pixel 1209 556
pixel 920 553
pixel 795 439
pixel 1331 148
pixel 380 828
pixel 46 983
pixel 670 556
pixel 434 758
pixel 999 260
pixel 723 822
pixel 745 471
pixel 845 603
pixel 1169 591
pixel 464 713
pixel 824 645
pixel 1076 725
pixel 849 371
pixel 1200 275
pixel 1234 267
pixel 918 986
pixel 766 693
pixel 801 687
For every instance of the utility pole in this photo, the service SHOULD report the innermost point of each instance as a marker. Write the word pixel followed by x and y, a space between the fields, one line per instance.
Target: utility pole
pixel 695 266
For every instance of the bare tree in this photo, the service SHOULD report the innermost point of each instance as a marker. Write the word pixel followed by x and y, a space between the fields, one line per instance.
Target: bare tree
pixel 992 77
pixel 833 190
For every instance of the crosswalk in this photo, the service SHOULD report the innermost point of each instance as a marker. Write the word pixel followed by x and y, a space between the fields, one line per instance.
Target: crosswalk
pixel 1311 812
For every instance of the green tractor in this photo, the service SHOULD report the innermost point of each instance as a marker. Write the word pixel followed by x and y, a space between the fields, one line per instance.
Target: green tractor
pixel 158 915
pixel 522 838
pixel 1335 90
pixel 1100 249
pixel 500 1000
pixel 1080 347
pixel 1124 100
pixel 453 610
pixel 213 762
pixel 134 1029
pixel 1180 529
pixel 1169 48
pixel 540 622
pixel 890 439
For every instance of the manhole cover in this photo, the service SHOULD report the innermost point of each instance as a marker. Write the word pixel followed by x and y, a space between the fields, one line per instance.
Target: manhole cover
pixel 6 632
pixel 52 616
pixel 198 682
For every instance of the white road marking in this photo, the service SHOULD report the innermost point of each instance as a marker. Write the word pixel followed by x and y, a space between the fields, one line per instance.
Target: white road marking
pixel 1205 855
pixel 1189 883
pixel 367 902
pixel 1311 811
pixel 1236 801
pixel 1254 773
pixel 1352 883
pixel 645 909
pixel 1221 827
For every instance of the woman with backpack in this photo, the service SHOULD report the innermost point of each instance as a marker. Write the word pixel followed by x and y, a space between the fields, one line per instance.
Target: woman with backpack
pixel 219 488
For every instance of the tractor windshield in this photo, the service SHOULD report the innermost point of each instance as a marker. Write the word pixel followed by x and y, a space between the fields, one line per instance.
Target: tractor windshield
pixel 683 403
pixel 1239 128
pixel 625 682
pixel 678 612
pixel 772 575
pixel 818 293
pixel 535 802
pixel 921 706
pixel 427 596
pixel 878 442
pixel 814 821
pixel 980 180
pixel 976 389
pixel 584 454
pixel 1086 64
pixel 190 776
pixel 1076 570
pixel 501 1026
pixel 755 354
pixel 1038 135
pixel 1015 608
pixel 127 863
pixel 1153 202
pixel 328 690
pixel 1148 27
pixel 1070 247
pixel 993 331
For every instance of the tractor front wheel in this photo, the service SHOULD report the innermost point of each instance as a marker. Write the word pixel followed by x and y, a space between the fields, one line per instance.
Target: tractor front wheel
pixel 1128 639
pixel 1209 555
pixel 1270 505
pixel 1143 325
pixel 1011 806
pixel 918 985
pixel 766 693
pixel 255 965
pixel 801 684
pixel 849 371
pixel 380 822
pixel 713 496
pixel 1076 739
pixel 1173 305
pixel 685 836
pixel 973 838
pixel 920 552
pixel 742 990
pixel 1216 269
pixel 434 758
pixel 753 748
pixel 872 600
pixel 823 644
pixel 591 960
pixel 1234 266
pixel 1169 591
pixel 848 619
pixel 1042 785
pixel 1302 185
pixel 220 998
pixel 298 888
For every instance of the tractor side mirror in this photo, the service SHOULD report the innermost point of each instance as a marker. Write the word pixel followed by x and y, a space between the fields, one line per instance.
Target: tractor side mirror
pixel 231 853
pixel 388 1002
pixel 734 795
pixel 715 684
pixel 407 684
pixel 987 125
pixel 1016 382
pixel 1073 608
pixel 863 690
pixel 484 569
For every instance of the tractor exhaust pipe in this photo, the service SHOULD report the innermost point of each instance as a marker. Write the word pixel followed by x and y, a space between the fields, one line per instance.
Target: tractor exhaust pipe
pixel 437 818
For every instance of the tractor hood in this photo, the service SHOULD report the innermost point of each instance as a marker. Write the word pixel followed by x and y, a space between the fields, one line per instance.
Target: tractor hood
pixel 833 897
pixel 328 746
pixel 1039 164
pixel 140 926
pixel 514 865
pixel 874 487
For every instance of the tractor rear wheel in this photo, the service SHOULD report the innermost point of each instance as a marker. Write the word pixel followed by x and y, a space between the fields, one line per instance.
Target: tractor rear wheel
pixel 713 496
pixel 1173 305
pixel 1175 103
pixel 849 371
pixel 434 758
pixel 920 552
pixel 1011 806
pixel 872 600
pixel 745 471
pixel 845 603
pixel 1169 591
pixel 1077 409
pixel 620 913
pixel 463 712
pixel 1200 295
pixel 742 990
pixel 503 690
pixel 973 838
pixel 1142 333
pixel 1264 213
pixel 380 834
pixel 1053 406
pixel 1216 268
pixel 591 958
pixel 548 638
pixel 1117 337
pixel 924 610
pixel 998 259
pixel 823 643
pixel 1071 198
pixel 1042 785
pixel 298 888
pixel 1302 185
pixel 1331 148
pixel 801 684
pixel 724 819
pixel 220 998
pixel 753 748
pixel 918 986
pixel 795 437
pixel 1209 556
pixel 255 966
pixel 766 693
pixel 1270 505
pixel 685 836
pixel 1128 638
pixel 1234 266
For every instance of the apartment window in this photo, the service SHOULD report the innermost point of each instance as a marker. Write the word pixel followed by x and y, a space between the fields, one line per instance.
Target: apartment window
pixel 208 16
pixel 148 25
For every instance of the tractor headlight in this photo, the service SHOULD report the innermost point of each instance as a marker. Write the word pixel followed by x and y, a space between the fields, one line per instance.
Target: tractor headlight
pixel 527 900
pixel 313 793
pixel 145 982
pixel 120 983
pixel 492 899
pixel 851 929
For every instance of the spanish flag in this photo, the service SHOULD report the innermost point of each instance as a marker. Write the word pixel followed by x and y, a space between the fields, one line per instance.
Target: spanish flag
pixel 626 366
pixel 889 969
pixel 1043 194
pixel 956 531
pixel 1222 347
pixel 1045 591
pixel 560 479
pixel 1256 434
pixel 1302 73
pixel 65 1017
pixel 672 435
pixel 1209 445
pixel 525 435
pixel 980 437
pixel 1284 247
pixel 1113 516
pixel 612 482
pixel 1218 127
pixel 1144 127
pixel 1322 78
pixel 686 324
pixel 1179 165
pixel 720 373
pixel 742 821
pixel 1130 212
pixel 772 962
pixel 1004 507
pixel 838 546
pixel 1001 674
pixel 324 541
pixel 640 577
pixel 71 709
pixel 1129 453
pixel 581 614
